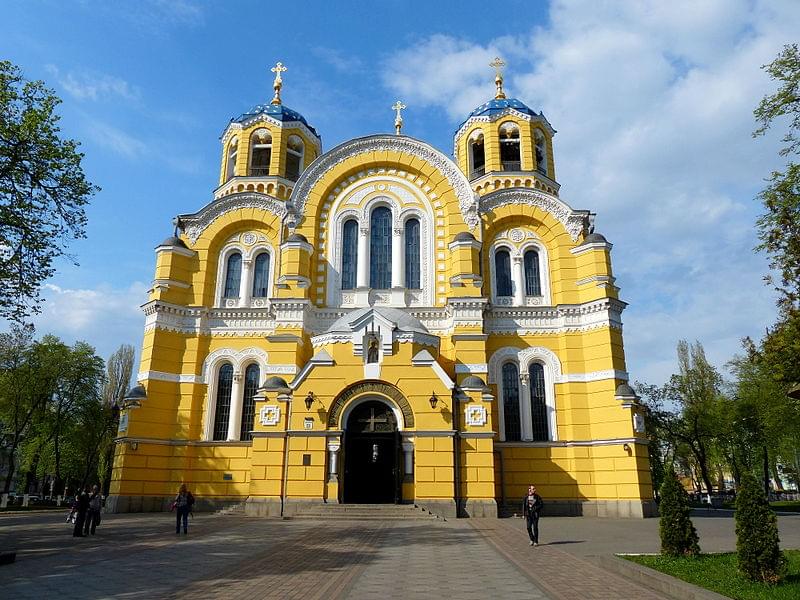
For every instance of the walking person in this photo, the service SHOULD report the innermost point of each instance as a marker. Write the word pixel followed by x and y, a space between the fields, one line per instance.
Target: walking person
pixel 531 506
pixel 93 514
pixel 183 505
pixel 81 507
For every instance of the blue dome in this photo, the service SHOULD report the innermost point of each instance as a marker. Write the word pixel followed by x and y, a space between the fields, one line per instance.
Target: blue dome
pixel 276 111
pixel 495 106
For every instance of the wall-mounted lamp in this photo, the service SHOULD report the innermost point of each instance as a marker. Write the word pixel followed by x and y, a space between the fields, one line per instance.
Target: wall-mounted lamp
pixel 134 445
pixel 309 400
pixel 626 447
pixel 433 400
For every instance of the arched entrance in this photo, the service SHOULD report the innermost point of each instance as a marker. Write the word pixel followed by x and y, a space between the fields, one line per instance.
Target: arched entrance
pixel 371 455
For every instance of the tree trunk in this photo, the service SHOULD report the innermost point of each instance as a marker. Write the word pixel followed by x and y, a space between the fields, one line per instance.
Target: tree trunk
pixel 700 455
pixel 11 469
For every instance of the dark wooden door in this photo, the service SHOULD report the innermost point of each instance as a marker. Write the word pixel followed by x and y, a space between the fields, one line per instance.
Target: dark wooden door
pixel 371 455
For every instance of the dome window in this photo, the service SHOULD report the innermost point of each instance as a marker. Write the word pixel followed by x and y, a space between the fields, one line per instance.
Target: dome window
pixel 477 155
pixel 509 147
pixel 233 149
pixel 260 153
pixel 541 152
pixel 294 157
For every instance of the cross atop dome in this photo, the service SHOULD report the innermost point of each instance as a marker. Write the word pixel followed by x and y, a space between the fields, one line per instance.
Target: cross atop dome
pixel 398 120
pixel 278 83
pixel 498 65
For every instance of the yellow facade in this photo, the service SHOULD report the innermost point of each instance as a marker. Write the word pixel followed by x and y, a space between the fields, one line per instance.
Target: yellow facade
pixel 380 323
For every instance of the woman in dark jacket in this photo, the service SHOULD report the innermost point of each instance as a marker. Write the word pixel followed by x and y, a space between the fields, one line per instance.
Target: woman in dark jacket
pixel 183 506
pixel 81 505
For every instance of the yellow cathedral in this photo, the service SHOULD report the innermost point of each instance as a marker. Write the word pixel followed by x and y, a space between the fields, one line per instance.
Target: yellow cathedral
pixel 385 324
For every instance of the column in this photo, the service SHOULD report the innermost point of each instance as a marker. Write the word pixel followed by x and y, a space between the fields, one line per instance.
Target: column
pixel 362 273
pixel 518 277
pixel 333 460
pixel 398 268
pixel 235 419
pixel 408 462
pixel 246 284
pixel 526 430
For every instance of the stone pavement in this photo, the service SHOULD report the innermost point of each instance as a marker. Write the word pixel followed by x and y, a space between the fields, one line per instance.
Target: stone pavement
pixel 138 556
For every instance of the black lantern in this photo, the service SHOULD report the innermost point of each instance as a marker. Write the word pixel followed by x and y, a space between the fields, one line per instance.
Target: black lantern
pixel 433 400
pixel 309 400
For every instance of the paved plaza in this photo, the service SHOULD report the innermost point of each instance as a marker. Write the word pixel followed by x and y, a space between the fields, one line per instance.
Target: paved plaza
pixel 138 556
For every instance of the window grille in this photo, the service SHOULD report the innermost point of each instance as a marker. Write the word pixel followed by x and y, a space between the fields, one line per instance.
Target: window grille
pixel 233 275
pixel 261 276
pixel 251 376
pixel 349 255
pixel 380 269
pixel 412 255
pixel 223 411
pixel 511 402
pixel 533 285
pixel 541 430
pixel 502 272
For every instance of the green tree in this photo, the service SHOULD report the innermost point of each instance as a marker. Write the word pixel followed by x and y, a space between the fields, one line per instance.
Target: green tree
pixel 43 191
pixel 757 542
pixel 119 370
pixel 678 535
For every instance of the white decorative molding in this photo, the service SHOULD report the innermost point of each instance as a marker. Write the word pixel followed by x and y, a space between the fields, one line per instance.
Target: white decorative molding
pixel 269 415
pixel 234 127
pixel 573 221
pixel 507 112
pixel 171 377
pixel 196 223
pixel 594 376
pixel 475 415
pixel 238 358
pixel 591 246
pixel 467 199
pixel 529 320
pixel 474 368
pixel 280 370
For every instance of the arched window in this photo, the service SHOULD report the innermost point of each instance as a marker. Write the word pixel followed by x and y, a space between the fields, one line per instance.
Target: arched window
pixel 502 273
pixel 349 254
pixel 223 412
pixel 509 147
pixel 477 155
pixel 294 157
pixel 261 276
pixel 541 152
pixel 251 375
pixel 540 429
pixel 511 402
pixel 233 275
pixel 233 149
pixel 260 153
pixel 380 249
pixel 533 283
pixel 412 255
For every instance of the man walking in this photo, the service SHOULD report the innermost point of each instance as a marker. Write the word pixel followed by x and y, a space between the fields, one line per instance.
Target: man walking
pixel 531 505
pixel 82 505
pixel 93 514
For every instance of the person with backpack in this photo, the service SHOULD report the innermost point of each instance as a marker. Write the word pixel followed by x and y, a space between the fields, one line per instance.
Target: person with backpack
pixel 183 504
pixel 93 514
pixel 531 507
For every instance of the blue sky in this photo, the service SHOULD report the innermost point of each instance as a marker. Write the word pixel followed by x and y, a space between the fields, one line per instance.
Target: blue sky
pixel 652 101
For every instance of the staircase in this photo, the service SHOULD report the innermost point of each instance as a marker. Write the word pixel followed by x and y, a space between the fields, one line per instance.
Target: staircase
pixel 362 512
pixel 232 509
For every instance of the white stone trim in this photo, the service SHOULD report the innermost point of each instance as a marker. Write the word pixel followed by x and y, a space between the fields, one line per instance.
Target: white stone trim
pixel 235 127
pixel 398 414
pixel 270 415
pixel 467 199
pixel 583 248
pixel 507 112
pixel 171 377
pixel 576 443
pixel 516 249
pixel 176 249
pixel 475 415
pixel 572 220
pixel 196 223
pixel 473 368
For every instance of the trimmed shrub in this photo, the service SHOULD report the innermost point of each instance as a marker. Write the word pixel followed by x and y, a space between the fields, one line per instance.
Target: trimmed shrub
pixel 760 557
pixel 678 535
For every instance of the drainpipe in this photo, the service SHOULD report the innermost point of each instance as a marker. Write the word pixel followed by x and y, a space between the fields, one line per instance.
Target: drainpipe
pixel 456 451
pixel 286 397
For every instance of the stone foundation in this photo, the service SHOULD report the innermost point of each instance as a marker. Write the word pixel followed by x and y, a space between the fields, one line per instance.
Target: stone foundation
pixel 478 508
pixel 443 507
pixel 130 504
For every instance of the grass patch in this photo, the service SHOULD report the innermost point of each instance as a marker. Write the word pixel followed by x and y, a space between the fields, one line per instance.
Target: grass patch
pixel 718 572
pixel 785 506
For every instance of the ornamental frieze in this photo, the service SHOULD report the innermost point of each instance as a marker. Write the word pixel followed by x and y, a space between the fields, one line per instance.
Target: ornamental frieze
pixel 370 387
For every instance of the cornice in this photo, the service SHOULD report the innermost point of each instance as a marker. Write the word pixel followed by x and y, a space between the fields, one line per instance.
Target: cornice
pixel 467 199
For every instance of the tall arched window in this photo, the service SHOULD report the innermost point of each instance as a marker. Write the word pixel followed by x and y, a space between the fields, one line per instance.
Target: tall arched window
pixel 260 153
pixel 541 152
pixel 509 147
pixel 533 283
pixel 294 157
pixel 502 273
pixel 349 254
pixel 223 411
pixel 233 275
pixel 541 431
pixel 233 149
pixel 511 402
pixel 477 155
pixel 251 375
pixel 261 276
pixel 412 255
pixel 380 249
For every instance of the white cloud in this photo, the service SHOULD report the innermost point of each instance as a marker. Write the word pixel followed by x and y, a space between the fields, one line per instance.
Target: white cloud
pixel 340 61
pixel 114 139
pixel 104 317
pixel 85 85
pixel 653 103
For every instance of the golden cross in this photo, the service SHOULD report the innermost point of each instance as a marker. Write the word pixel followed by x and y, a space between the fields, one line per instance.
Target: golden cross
pixel 398 120
pixel 498 64
pixel 278 83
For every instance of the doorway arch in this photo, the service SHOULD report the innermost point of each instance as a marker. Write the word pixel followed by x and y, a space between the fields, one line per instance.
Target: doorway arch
pixel 371 453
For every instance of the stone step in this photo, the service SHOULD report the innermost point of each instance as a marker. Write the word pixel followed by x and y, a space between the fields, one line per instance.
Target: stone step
pixel 365 512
